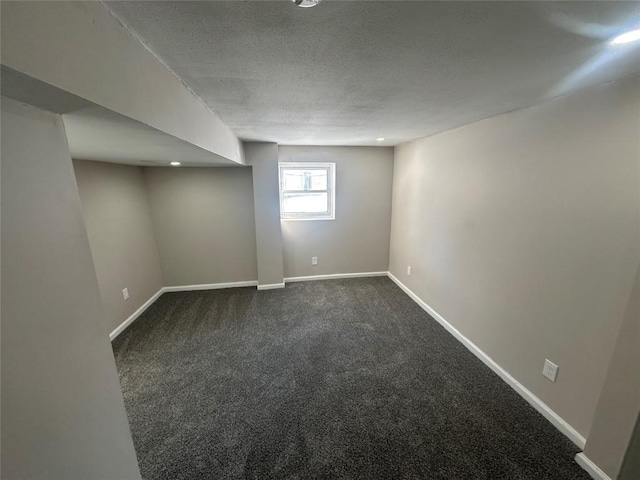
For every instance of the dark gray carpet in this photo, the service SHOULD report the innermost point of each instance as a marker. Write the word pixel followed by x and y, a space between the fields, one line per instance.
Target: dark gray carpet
pixel 332 379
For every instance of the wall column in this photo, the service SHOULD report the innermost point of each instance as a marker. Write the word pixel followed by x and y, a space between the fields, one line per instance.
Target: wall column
pixel 62 411
pixel 263 158
pixel 619 403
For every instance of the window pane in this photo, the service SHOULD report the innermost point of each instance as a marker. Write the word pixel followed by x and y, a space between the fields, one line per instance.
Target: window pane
pixel 304 179
pixel 318 180
pixel 305 202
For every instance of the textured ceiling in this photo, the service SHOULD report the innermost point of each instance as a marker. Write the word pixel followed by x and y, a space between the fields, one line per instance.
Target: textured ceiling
pixel 344 73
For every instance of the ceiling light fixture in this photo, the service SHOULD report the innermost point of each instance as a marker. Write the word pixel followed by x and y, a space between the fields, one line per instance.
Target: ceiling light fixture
pixel 175 164
pixel 380 139
pixel 306 3
pixel 628 37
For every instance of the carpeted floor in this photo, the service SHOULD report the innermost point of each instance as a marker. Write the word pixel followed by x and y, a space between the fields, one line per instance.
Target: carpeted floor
pixel 329 379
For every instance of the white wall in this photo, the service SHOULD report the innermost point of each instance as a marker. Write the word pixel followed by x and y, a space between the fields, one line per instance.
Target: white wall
pixel 358 239
pixel 263 158
pixel 522 231
pixel 204 224
pixel 118 219
pixel 62 410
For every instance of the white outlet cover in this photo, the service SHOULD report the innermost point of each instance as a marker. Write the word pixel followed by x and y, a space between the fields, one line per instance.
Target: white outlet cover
pixel 125 293
pixel 408 270
pixel 550 370
pixel 314 260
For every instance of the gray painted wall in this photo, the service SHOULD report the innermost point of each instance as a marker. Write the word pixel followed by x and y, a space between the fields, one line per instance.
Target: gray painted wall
pixel 62 410
pixel 522 231
pixel 358 239
pixel 619 403
pixel 631 466
pixel 263 158
pixel 118 218
pixel 204 224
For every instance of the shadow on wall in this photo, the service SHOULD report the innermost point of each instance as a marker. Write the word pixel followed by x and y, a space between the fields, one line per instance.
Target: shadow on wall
pixel 619 403
pixel 631 465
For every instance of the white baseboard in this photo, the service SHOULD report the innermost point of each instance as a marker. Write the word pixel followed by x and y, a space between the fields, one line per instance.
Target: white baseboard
pixel 270 286
pixel 335 275
pixel 534 401
pixel 215 286
pixel 210 286
pixel 178 288
pixel 591 468
pixel 118 330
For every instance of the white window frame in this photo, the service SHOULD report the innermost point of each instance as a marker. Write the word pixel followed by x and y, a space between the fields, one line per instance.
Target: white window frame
pixel 331 190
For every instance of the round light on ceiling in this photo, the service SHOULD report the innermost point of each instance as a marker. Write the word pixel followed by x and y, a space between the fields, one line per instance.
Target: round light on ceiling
pixel 175 164
pixel 306 3
pixel 380 139
pixel 628 37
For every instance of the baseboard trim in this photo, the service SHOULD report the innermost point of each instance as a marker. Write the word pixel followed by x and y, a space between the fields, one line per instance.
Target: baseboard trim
pixel 334 276
pixel 120 328
pixel 210 286
pixel 214 286
pixel 270 286
pixel 176 288
pixel 555 419
pixel 590 467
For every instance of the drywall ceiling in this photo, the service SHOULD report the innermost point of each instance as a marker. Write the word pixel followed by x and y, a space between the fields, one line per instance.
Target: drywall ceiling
pixel 95 133
pixel 347 72
pixel 26 89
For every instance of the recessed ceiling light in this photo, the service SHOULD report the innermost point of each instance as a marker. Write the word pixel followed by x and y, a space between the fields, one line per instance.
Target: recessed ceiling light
pixel 380 139
pixel 628 37
pixel 175 164
pixel 306 3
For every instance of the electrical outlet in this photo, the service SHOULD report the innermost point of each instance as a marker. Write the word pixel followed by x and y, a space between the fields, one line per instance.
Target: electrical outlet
pixel 314 260
pixel 408 270
pixel 125 293
pixel 550 370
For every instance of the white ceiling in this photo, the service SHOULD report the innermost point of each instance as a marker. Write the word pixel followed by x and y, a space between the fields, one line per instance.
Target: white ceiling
pixel 95 133
pixel 344 73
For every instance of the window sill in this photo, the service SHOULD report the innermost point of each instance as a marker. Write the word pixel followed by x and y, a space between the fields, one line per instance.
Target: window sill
pixel 308 219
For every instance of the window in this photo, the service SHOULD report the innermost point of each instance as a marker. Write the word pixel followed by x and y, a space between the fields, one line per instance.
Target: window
pixel 307 191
